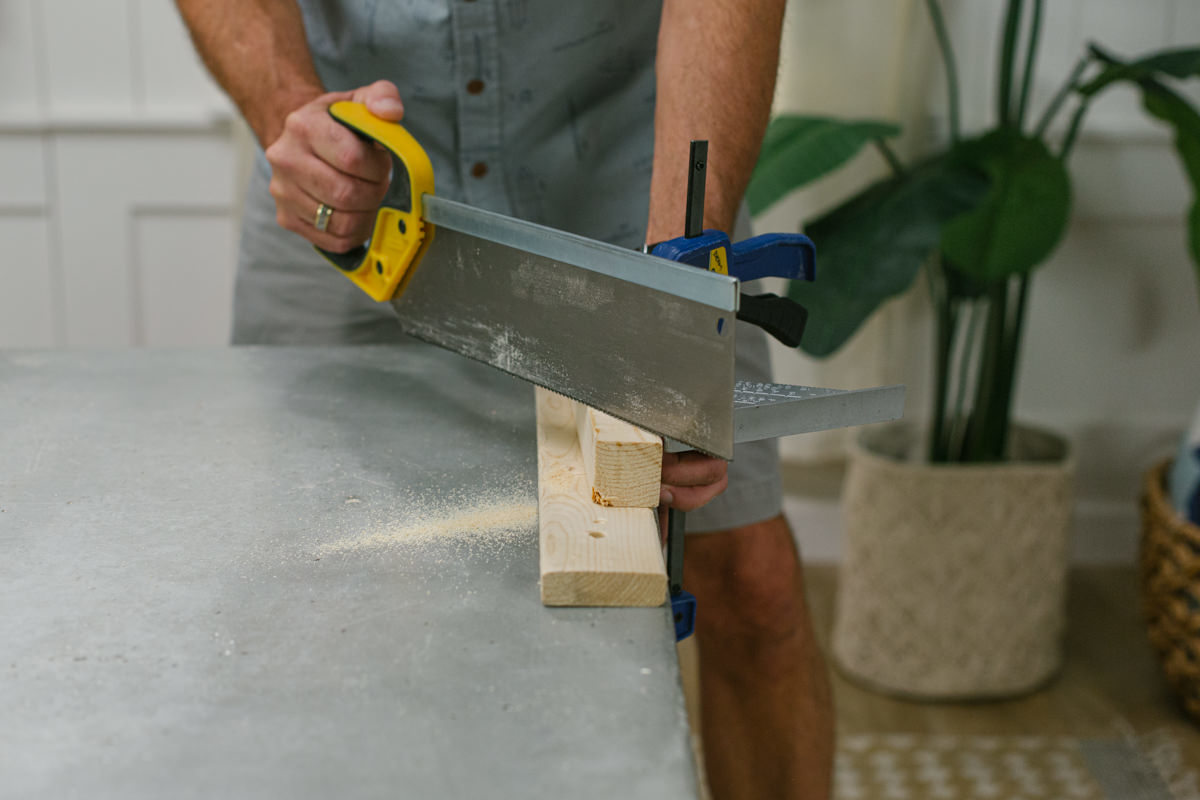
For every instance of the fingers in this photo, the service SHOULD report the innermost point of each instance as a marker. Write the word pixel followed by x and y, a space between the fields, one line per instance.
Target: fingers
pixel 317 160
pixel 692 469
pixel 689 498
pixel 382 99
pixel 296 210
pixel 691 480
pixel 347 155
pixel 344 232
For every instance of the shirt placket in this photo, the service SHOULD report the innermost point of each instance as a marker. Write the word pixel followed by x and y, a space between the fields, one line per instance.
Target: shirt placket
pixel 477 77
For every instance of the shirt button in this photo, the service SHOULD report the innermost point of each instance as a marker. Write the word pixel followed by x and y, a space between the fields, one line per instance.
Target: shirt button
pixel 479 169
pixel 475 86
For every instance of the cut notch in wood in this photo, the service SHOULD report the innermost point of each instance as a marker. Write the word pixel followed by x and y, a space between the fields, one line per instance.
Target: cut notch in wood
pixel 591 555
pixel 623 462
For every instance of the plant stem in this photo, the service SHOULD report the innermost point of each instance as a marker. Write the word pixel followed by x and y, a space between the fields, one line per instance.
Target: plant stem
pixel 1008 57
pixel 1060 96
pixel 943 332
pixel 962 378
pixel 985 442
pixel 1012 350
pixel 1073 130
pixel 943 39
pixel 1031 45
pixel 889 156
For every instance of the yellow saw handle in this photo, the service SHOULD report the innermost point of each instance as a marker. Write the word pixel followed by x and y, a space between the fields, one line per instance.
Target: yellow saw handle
pixel 382 266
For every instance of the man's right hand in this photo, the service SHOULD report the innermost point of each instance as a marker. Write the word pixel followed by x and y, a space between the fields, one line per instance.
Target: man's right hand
pixel 317 160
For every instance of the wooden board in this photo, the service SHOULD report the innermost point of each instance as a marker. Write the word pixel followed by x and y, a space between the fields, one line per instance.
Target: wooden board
pixel 622 461
pixel 591 555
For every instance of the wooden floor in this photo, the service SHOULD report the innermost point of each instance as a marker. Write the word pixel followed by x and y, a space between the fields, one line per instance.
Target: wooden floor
pixel 1109 680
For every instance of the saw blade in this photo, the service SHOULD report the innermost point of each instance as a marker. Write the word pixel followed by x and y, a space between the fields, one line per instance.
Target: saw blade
pixel 642 338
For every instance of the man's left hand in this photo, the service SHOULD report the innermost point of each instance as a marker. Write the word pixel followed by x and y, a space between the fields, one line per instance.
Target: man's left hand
pixel 691 479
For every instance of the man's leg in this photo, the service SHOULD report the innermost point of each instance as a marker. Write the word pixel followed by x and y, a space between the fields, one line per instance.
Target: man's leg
pixel 767 716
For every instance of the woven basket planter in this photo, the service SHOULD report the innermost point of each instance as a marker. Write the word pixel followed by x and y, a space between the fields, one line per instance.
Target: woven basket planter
pixel 1170 577
pixel 953 581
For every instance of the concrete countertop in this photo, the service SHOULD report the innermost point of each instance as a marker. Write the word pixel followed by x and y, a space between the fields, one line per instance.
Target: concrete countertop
pixel 294 572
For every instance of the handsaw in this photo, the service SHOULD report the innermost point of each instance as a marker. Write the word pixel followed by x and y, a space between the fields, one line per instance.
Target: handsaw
pixel 645 338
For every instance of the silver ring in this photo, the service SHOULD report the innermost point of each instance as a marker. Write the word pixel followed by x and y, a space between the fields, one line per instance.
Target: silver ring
pixel 321 222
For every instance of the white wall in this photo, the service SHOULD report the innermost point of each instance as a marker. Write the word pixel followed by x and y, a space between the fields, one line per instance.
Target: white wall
pixel 1113 332
pixel 116 179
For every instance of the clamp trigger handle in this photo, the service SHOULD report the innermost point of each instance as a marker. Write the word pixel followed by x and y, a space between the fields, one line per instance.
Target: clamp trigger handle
pixel 782 317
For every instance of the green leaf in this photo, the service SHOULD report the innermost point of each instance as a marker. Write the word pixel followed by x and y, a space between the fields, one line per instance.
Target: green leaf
pixel 799 149
pixel 1194 237
pixel 1172 109
pixel 871 248
pixel 1165 104
pixel 1024 214
pixel 1179 63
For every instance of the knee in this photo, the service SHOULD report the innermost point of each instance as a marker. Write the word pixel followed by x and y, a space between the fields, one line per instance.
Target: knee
pixel 749 584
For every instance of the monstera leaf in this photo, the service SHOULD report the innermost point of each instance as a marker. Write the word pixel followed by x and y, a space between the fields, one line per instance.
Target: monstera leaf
pixel 871 247
pixel 1166 105
pixel 799 149
pixel 1181 63
pixel 1023 215
pixel 1169 107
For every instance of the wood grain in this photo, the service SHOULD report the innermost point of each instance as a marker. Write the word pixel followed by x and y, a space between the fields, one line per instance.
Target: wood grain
pixel 591 555
pixel 623 462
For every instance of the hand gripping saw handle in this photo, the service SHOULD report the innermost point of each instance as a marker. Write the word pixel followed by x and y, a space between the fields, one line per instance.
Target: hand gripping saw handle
pixel 401 235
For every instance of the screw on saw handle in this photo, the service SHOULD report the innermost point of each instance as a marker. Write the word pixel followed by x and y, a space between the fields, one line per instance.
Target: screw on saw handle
pixel 771 255
pixel 400 237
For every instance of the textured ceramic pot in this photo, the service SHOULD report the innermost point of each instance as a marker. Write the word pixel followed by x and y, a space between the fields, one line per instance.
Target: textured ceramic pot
pixel 953 583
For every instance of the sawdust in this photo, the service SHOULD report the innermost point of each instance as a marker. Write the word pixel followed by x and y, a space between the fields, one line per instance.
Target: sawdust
pixel 489 520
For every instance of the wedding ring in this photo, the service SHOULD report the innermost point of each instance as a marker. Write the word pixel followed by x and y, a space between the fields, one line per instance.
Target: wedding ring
pixel 321 222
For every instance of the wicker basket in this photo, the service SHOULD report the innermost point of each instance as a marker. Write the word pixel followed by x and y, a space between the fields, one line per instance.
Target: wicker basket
pixel 1170 573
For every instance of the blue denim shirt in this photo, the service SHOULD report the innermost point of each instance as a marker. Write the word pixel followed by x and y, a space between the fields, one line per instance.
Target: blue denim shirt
pixel 536 109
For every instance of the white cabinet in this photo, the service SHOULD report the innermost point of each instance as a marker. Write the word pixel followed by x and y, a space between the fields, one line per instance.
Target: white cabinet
pixel 117 179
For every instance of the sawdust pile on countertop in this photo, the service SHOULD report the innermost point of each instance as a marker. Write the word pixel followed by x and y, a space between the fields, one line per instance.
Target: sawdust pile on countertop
pixel 491 520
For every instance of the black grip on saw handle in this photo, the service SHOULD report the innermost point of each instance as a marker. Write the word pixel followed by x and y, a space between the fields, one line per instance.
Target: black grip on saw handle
pixel 782 317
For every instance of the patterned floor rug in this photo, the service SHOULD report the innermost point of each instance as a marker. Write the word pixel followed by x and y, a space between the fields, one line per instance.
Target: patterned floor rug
pixel 915 767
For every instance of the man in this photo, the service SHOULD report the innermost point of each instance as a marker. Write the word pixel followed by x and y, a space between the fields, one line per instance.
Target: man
pixel 577 116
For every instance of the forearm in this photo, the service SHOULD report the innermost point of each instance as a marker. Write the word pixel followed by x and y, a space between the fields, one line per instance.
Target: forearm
pixel 716 68
pixel 257 51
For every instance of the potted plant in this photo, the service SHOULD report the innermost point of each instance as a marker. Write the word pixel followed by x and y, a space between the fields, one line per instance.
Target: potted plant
pixel 953 581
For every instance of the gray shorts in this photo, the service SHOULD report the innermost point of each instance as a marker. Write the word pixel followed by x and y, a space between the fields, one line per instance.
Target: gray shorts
pixel 287 294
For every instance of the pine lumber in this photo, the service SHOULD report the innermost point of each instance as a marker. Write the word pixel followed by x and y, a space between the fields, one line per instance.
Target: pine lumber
pixel 622 461
pixel 591 555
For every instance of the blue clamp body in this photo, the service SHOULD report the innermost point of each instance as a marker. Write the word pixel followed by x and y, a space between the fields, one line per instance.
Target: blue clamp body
pixel 770 255
pixel 683 609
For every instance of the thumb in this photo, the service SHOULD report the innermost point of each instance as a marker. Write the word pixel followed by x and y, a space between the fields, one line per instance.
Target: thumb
pixel 382 99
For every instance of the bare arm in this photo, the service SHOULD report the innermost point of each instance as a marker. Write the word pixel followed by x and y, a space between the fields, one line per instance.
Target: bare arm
pixel 257 50
pixel 716 68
